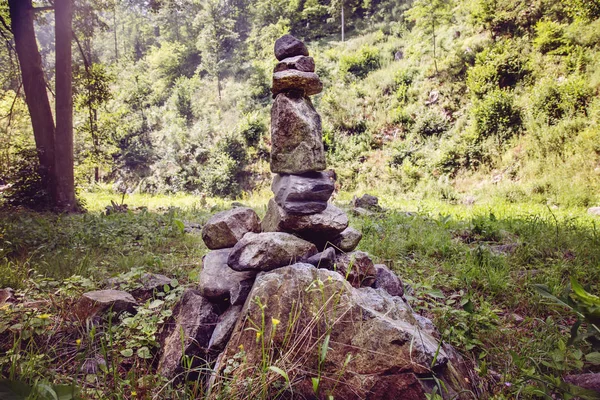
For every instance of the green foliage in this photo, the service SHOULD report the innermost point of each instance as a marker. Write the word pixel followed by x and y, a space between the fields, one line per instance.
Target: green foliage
pixel 360 63
pixel 430 122
pixel 500 66
pixel 252 129
pixel 497 116
pixel 549 37
pixel 553 101
pixel 27 183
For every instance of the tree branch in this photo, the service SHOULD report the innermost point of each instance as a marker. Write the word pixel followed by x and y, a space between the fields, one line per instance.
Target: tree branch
pixel 5 24
pixel 47 8
pixel 86 63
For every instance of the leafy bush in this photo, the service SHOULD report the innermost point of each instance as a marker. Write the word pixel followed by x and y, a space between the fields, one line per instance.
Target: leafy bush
pixel 549 36
pixel 430 122
pixel 219 175
pixel 501 66
pixel 252 129
pixel 360 63
pixel 497 116
pixel 554 100
pixel 27 183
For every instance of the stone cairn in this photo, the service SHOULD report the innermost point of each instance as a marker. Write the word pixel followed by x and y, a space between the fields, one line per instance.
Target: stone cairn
pixel 301 229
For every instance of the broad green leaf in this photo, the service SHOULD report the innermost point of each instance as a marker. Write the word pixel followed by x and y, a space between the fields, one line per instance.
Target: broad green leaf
pixel 144 352
pixel 593 358
pixel 281 372
pixel 127 352
pixel 155 304
pixel 435 293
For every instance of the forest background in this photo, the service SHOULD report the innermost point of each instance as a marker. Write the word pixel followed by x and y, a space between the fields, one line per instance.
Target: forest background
pixel 439 99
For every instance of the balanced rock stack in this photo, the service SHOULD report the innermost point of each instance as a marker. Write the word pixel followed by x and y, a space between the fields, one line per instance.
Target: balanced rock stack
pixel 280 271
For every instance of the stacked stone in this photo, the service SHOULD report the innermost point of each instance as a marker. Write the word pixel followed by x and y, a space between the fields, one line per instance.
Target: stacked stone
pixel 300 225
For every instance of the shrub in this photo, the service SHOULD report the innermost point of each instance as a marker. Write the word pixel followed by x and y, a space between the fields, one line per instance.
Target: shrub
pixel 232 146
pixel 252 129
pixel 430 122
pixel 219 176
pixel 27 183
pixel 501 66
pixel 497 115
pixel 554 100
pixel 549 36
pixel 360 63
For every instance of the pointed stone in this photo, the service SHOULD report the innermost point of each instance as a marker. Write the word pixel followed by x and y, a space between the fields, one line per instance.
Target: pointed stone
pixel 387 280
pixel 194 319
pixel 296 141
pixel 357 267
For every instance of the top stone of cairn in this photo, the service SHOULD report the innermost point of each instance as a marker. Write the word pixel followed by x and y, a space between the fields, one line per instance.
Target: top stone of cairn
pixel 288 46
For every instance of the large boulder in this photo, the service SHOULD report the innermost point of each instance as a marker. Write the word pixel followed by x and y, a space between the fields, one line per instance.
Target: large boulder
pixel 226 228
pixel 303 194
pixel 269 250
pixel 288 46
pixel 189 332
pixel 218 282
pixel 356 343
pixel 347 240
pixel 316 228
pixel 357 267
pixel 300 63
pixel 306 83
pixel 296 142
pixel 99 302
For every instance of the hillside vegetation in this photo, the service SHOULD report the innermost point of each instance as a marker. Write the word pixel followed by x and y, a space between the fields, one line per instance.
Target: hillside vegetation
pixel 443 99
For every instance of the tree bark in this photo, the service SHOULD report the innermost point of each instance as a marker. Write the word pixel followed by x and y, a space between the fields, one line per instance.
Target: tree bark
pixel 34 86
pixel 65 188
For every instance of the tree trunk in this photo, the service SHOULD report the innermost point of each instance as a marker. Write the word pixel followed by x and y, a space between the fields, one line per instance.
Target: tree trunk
pixel 65 188
pixel 34 85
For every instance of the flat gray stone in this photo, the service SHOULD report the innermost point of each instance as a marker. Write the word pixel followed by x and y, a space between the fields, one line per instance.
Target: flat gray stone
pixel 594 211
pixel 98 302
pixel 267 251
pixel 316 228
pixel 217 280
pixel 303 194
pixel 225 228
pixel 300 63
pixel 308 83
